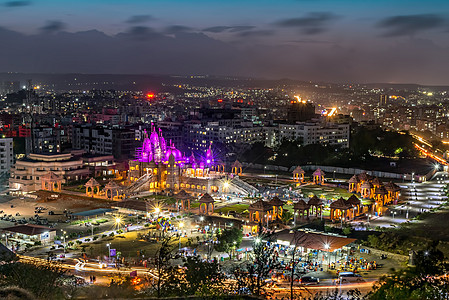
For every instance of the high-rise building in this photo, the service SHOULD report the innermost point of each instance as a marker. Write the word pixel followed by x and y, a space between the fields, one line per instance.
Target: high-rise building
pixel 8 87
pixel 384 100
pixel 6 155
pixel 109 140
pixel 300 111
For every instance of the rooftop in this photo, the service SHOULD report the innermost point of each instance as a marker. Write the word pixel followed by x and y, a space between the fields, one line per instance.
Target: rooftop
pixel 28 229
pixel 313 240
pixel 93 212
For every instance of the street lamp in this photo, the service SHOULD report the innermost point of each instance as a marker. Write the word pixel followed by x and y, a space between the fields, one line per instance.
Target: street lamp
pixel 181 225
pixel 257 240
pixel 225 186
pixel 201 220
pixel 63 236
pixel 118 222
pixel 327 247
pixel 6 239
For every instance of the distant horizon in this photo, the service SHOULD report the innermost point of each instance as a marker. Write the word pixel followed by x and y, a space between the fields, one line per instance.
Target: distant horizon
pixel 220 77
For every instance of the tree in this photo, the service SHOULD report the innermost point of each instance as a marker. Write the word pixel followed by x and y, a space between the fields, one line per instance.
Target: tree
pixel 287 216
pixel 250 276
pixel 13 293
pixel 42 280
pixel 197 277
pixel 425 280
pixel 120 286
pixel 258 153
pixel 229 240
pixel 162 265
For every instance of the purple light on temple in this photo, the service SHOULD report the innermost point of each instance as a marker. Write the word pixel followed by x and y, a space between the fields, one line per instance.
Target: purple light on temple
pixel 154 148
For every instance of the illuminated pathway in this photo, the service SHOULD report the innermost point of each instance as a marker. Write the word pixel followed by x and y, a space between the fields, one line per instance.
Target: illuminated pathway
pixel 85 269
pixel 416 198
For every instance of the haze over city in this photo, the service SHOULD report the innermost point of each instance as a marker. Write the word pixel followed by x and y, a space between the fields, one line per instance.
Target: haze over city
pixel 336 41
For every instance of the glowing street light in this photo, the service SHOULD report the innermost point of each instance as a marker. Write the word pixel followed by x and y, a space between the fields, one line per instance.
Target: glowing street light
pixel 118 222
pixel 180 225
pixel 63 236
pixel 257 240
pixel 225 186
pixel 327 247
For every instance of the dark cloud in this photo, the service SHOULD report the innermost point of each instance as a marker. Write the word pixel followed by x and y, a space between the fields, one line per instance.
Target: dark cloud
pixel 139 19
pixel 313 23
pixel 140 33
pixel 255 33
pixel 309 41
pixel 217 29
pixel 241 28
pixel 177 29
pixel 407 60
pixel 17 3
pixel 140 30
pixel 53 26
pixel 410 24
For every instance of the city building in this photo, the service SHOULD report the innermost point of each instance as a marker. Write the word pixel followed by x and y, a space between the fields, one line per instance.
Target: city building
pixel 6 155
pixel 383 100
pixel 48 139
pixel 7 87
pixel 315 133
pixel 108 140
pixel 29 233
pixel 27 173
pixel 300 111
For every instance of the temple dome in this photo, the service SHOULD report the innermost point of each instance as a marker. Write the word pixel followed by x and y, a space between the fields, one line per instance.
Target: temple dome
pixel 176 153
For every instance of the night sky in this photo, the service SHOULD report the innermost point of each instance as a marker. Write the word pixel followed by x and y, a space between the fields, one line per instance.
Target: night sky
pixel 335 40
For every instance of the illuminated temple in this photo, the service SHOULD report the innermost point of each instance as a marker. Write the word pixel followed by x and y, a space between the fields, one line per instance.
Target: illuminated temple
pixel 159 166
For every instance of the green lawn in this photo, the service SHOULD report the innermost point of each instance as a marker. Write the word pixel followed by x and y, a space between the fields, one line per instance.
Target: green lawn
pixel 128 244
pixel 76 188
pixel 95 221
pixel 238 208
pixel 325 192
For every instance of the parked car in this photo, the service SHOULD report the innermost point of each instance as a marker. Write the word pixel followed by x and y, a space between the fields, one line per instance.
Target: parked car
pixel 345 277
pixel 309 280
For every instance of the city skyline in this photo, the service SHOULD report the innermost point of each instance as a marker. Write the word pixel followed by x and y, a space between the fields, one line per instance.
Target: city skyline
pixel 337 41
